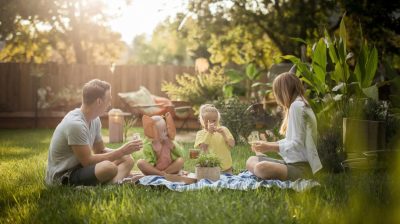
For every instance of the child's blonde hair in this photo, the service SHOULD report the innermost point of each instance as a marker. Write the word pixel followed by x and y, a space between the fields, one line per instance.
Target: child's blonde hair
pixel 287 87
pixel 208 108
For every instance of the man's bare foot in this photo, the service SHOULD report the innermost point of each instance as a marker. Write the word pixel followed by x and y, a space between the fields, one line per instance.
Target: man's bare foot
pixel 131 179
pixel 183 173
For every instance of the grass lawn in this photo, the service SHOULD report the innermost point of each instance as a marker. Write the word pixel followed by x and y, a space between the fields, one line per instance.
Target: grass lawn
pixel 24 198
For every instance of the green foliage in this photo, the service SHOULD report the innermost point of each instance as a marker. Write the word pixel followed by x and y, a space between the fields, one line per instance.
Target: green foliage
pixel 196 89
pixel 331 81
pixel 240 46
pixel 165 47
pixel 208 160
pixel 377 23
pixel 247 78
pixel 330 146
pixel 248 24
pixel 236 117
pixel 58 31
pixel 35 48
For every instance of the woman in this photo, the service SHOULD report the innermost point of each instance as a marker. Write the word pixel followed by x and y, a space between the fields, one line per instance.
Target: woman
pixel 298 148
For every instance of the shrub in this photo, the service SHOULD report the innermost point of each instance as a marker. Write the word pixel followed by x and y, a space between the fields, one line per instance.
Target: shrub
pixel 236 117
pixel 330 150
pixel 197 89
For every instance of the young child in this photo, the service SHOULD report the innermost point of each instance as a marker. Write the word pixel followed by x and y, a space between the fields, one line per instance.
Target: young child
pixel 215 138
pixel 162 155
pixel 298 148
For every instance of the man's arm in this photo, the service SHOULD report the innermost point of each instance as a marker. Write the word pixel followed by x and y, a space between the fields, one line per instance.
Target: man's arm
pixel 86 157
pixel 100 148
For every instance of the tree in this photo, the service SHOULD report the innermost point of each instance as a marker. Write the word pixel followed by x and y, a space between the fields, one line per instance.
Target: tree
pixel 279 20
pixel 283 20
pixel 69 31
pixel 165 46
pixel 378 21
pixel 241 47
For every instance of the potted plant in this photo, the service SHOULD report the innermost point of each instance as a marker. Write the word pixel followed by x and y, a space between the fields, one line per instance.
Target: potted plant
pixel 208 167
pixel 364 129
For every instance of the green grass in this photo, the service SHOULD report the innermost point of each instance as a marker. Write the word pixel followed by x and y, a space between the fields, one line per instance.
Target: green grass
pixel 24 198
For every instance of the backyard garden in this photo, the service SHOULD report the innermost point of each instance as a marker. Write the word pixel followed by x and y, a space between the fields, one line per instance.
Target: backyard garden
pixel 224 53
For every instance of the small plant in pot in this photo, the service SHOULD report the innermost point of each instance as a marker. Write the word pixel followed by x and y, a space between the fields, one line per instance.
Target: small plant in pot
pixel 208 167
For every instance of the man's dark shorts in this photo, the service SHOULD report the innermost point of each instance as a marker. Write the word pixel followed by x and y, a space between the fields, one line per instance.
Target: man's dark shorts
pixel 80 176
pixel 300 170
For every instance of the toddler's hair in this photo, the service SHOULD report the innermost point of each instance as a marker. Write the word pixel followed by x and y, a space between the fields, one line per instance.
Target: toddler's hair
pixel 208 108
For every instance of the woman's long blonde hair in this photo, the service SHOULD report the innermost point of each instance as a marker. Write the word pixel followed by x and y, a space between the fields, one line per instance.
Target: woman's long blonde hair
pixel 287 87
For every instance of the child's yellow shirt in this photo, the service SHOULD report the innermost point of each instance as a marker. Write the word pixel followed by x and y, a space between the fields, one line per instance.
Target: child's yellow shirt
pixel 216 145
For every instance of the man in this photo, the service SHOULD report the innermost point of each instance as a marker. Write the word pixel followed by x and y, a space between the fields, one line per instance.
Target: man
pixel 77 155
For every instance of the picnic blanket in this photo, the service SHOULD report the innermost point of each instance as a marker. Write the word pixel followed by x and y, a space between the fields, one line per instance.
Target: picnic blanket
pixel 242 181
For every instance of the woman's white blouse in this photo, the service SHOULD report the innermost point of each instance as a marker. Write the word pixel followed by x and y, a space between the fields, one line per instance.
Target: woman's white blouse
pixel 299 144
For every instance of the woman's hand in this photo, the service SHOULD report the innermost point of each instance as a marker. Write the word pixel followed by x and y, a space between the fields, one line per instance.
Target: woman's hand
pixel 259 146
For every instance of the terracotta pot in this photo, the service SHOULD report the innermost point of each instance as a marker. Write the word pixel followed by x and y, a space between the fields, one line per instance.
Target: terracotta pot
pixel 211 173
pixel 194 153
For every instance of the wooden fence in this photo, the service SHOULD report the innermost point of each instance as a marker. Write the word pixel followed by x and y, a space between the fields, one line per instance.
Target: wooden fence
pixel 19 85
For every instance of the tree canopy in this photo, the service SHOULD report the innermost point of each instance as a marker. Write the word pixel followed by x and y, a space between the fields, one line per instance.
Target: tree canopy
pixel 72 31
pixel 166 46
pixel 284 22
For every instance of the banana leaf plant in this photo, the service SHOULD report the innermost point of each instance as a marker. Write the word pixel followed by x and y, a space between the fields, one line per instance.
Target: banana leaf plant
pixel 248 77
pixel 330 76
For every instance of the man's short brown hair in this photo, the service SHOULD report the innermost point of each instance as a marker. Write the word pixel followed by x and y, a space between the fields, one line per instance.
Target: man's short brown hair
pixel 94 89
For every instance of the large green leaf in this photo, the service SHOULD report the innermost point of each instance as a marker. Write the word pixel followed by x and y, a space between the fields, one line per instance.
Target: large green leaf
pixel 342 53
pixel 319 60
pixel 342 31
pixel 331 48
pixel 228 90
pixel 261 84
pixel 234 76
pixel 295 60
pixel 359 70
pixel 337 74
pixel 252 72
pixel 370 67
pixel 371 92
pixel 298 39
pixel 306 75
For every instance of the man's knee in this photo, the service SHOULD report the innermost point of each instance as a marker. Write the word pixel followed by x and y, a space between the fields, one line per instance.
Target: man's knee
pixel 128 160
pixel 106 170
